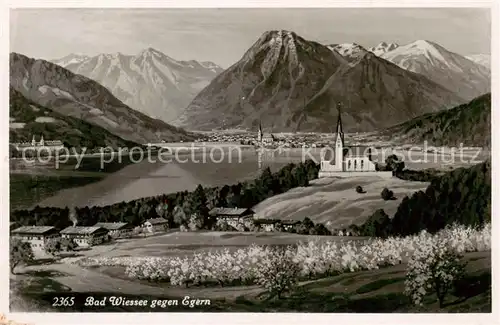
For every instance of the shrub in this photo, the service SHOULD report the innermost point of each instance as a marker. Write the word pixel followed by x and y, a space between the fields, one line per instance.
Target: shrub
pixel 433 268
pixel 387 194
pixel 359 189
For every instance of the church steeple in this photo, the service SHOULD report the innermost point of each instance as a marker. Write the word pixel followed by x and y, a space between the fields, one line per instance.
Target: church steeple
pixel 259 136
pixel 339 130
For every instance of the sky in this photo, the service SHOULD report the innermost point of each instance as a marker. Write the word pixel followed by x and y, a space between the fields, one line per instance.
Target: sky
pixel 223 35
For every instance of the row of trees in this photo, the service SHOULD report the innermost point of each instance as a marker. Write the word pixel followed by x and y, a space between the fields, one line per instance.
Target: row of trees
pixel 180 208
pixel 461 196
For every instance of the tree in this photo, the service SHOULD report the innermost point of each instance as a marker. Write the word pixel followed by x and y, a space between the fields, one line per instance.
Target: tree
pixel 53 246
pixel 179 216
pixel 197 204
pixel 387 194
pixel 300 174
pixel 278 272
pixel 195 222
pixel 433 268
pixel 20 252
pixel 377 225
pixel 304 228
pixel 394 164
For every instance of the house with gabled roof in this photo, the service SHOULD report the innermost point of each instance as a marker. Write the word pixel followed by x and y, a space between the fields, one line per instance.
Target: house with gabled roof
pixel 37 236
pixel 86 236
pixel 232 216
pixel 117 229
pixel 155 225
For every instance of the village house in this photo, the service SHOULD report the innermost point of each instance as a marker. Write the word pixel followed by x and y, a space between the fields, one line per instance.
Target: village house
pixel 155 225
pixel 232 216
pixel 37 236
pixel 117 229
pixel 268 225
pixel 86 236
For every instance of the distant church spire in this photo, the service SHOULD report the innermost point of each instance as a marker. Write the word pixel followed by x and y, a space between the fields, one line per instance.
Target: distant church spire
pixel 260 135
pixel 339 130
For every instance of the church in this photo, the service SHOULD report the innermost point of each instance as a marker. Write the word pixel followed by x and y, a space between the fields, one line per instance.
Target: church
pixel 344 161
pixel 264 138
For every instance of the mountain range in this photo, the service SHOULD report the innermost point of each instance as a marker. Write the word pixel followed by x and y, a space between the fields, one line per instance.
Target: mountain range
pixel 283 80
pixel 451 70
pixel 291 84
pixel 150 82
pixel 468 124
pixel 52 86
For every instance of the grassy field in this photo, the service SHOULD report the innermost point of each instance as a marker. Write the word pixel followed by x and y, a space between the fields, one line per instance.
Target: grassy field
pixel 376 291
pixel 336 201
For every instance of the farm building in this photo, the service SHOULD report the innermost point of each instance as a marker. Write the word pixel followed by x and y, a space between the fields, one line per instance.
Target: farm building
pixel 155 225
pixel 117 229
pixel 37 236
pixel 232 216
pixel 86 236
pixel 268 224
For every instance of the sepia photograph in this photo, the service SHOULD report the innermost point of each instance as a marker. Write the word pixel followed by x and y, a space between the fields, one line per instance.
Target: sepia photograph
pixel 249 160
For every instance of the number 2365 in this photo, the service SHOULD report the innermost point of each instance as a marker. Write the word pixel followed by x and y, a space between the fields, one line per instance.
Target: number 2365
pixel 63 301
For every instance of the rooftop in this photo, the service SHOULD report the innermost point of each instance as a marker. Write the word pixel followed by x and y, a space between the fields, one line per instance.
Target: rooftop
pixel 81 230
pixel 111 225
pixel 229 211
pixel 156 221
pixel 39 230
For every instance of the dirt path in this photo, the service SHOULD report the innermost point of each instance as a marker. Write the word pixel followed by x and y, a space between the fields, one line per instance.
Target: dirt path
pixel 84 280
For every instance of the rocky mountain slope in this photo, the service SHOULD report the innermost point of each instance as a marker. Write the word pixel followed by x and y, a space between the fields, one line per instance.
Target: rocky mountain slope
pixel 69 94
pixel 469 124
pixel 451 70
pixel 28 119
pixel 293 84
pixel 383 47
pixel 150 82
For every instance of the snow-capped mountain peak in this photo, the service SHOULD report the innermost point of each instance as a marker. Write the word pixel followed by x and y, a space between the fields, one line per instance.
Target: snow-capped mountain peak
pixel 350 51
pixel 447 68
pixel 383 47
pixel 70 59
pixel 148 81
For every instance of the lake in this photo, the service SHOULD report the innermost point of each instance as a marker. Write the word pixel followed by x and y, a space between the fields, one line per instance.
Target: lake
pixel 183 171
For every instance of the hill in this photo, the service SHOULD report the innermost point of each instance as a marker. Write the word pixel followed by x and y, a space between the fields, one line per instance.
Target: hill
pixel 150 82
pixel 469 124
pixel 69 94
pixel 374 93
pixel 293 84
pixel 28 119
pixel 451 70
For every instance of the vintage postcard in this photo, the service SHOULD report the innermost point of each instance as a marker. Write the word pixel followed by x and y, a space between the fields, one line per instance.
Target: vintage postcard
pixel 276 161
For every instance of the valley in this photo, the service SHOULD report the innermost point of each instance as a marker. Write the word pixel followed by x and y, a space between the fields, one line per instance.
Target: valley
pixel 269 167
